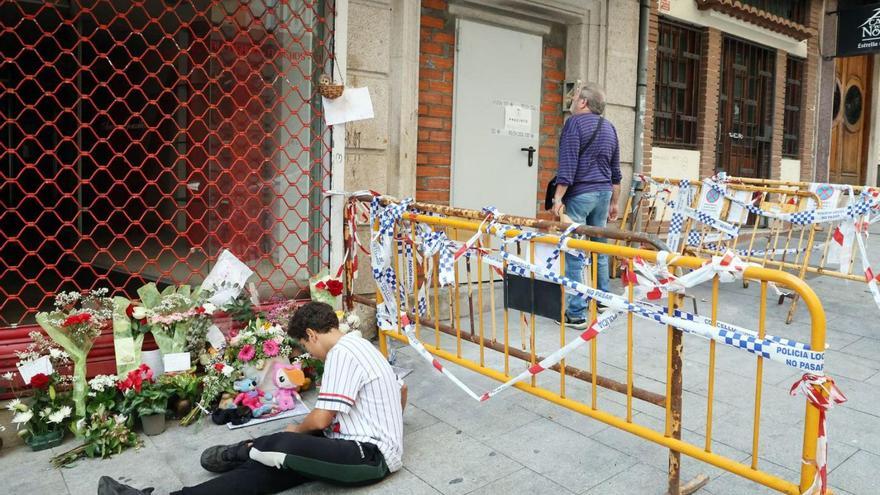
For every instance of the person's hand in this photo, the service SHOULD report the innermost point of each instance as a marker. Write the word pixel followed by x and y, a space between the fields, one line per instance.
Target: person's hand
pixel 612 211
pixel 294 428
pixel 558 208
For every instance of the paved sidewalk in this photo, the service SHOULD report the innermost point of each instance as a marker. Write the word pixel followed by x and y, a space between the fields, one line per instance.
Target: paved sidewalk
pixel 519 444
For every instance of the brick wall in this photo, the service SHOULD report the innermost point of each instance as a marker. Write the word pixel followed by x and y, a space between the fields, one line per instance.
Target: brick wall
pixel 778 116
pixel 436 62
pixel 553 74
pixel 710 75
pixel 436 68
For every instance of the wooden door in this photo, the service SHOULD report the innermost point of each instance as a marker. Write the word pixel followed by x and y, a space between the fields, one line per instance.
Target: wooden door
pixel 849 132
pixel 745 128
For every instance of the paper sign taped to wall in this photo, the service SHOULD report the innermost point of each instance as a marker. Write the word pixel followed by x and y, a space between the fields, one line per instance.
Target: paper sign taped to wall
pixel 517 118
pixel 354 104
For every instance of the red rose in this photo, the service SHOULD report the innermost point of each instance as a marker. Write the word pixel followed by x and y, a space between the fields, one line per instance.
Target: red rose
pixel 200 310
pixel 129 311
pixel 124 385
pixel 76 319
pixel 40 380
pixel 321 285
pixel 218 367
pixel 334 287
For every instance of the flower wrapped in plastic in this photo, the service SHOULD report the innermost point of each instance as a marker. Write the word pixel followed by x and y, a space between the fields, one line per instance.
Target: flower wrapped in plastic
pixel 326 289
pixel 176 316
pixel 78 319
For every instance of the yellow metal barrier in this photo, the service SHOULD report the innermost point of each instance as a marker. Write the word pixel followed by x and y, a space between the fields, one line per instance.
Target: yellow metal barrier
pixel 824 233
pixel 773 243
pixel 448 340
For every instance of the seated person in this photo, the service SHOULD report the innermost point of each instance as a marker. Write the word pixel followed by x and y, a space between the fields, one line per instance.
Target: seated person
pixel 353 436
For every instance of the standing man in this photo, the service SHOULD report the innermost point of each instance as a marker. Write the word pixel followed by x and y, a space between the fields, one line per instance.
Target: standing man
pixel 587 183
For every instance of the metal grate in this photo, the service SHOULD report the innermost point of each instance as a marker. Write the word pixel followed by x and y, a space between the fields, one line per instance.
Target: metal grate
pixel 746 109
pixel 676 90
pixel 140 138
pixel 794 95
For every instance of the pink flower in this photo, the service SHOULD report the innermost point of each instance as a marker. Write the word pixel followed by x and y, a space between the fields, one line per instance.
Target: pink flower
pixel 247 353
pixel 270 348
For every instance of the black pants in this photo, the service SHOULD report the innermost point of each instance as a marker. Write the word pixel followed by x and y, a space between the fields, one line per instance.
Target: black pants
pixel 308 458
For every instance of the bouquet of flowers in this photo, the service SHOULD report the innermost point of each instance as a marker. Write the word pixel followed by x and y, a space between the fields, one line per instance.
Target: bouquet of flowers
pixel 103 393
pixel 326 289
pixel 219 377
pixel 42 420
pixel 128 335
pixel 348 322
pixel 106 434
pixel 178 322
pixel 75 323
pixel 281 311
pixel 258 342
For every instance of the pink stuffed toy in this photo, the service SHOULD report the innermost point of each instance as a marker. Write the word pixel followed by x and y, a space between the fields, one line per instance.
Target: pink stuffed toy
pixel 288 378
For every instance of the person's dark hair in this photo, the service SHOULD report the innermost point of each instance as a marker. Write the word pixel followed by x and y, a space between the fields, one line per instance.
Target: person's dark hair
pixel 318 316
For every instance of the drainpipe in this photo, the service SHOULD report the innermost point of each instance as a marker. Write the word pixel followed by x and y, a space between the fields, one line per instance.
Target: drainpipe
pixel 641 92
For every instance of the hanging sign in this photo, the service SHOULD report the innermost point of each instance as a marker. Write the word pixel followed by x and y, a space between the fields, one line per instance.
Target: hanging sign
pixel 858 30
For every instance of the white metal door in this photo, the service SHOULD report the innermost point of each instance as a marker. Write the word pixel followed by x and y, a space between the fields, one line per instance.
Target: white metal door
pixel 496 115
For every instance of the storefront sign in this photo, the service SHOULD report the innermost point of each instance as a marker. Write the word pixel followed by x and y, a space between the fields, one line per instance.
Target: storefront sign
pixel 858 30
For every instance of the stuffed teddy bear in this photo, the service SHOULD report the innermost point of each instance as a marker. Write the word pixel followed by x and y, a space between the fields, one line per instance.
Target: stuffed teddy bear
pixel 248 394
pixel 288 378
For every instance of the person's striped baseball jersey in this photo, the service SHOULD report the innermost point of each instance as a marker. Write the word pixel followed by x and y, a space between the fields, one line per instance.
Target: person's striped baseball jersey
pixel 360 385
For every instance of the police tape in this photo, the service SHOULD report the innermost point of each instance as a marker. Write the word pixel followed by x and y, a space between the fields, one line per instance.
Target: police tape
pixel 822 393
pixel 654 283
pixel 841 247
pixel 868 201
pixel 728 268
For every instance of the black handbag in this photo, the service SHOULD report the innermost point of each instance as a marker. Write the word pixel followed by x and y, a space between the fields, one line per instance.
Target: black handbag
pixel 551 186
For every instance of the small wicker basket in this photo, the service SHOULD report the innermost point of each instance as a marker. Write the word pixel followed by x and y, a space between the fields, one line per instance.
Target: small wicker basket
pixel 328 89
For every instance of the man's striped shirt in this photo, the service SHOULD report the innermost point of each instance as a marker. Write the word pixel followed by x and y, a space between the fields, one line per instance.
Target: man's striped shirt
pixel 599 165
pixel 359 384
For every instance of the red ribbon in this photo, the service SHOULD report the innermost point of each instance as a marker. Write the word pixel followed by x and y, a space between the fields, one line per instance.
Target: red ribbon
pixel 822 393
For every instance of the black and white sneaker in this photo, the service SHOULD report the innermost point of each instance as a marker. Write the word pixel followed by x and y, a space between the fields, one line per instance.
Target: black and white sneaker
pixel 223 458
pixel 109 486
pixel 574 323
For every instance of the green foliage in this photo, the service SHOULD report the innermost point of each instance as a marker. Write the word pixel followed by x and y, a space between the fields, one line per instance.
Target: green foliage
pixel 152 399
pixel 104 436
pixel 183 385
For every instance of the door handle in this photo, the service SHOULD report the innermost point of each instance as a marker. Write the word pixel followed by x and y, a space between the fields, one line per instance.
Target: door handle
pixel 531 150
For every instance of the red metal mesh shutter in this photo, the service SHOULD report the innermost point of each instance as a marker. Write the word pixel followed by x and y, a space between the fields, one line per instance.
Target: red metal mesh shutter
pixel 139 139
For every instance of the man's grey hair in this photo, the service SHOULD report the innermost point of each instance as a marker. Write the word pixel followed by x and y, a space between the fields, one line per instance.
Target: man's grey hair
pixel 595 97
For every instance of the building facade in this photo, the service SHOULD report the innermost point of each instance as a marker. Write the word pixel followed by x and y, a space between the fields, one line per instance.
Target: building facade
pixel 738 87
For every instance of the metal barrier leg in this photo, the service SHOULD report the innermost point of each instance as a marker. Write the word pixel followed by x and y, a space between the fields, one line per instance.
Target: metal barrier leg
pixel 675 406
pixel 674 476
